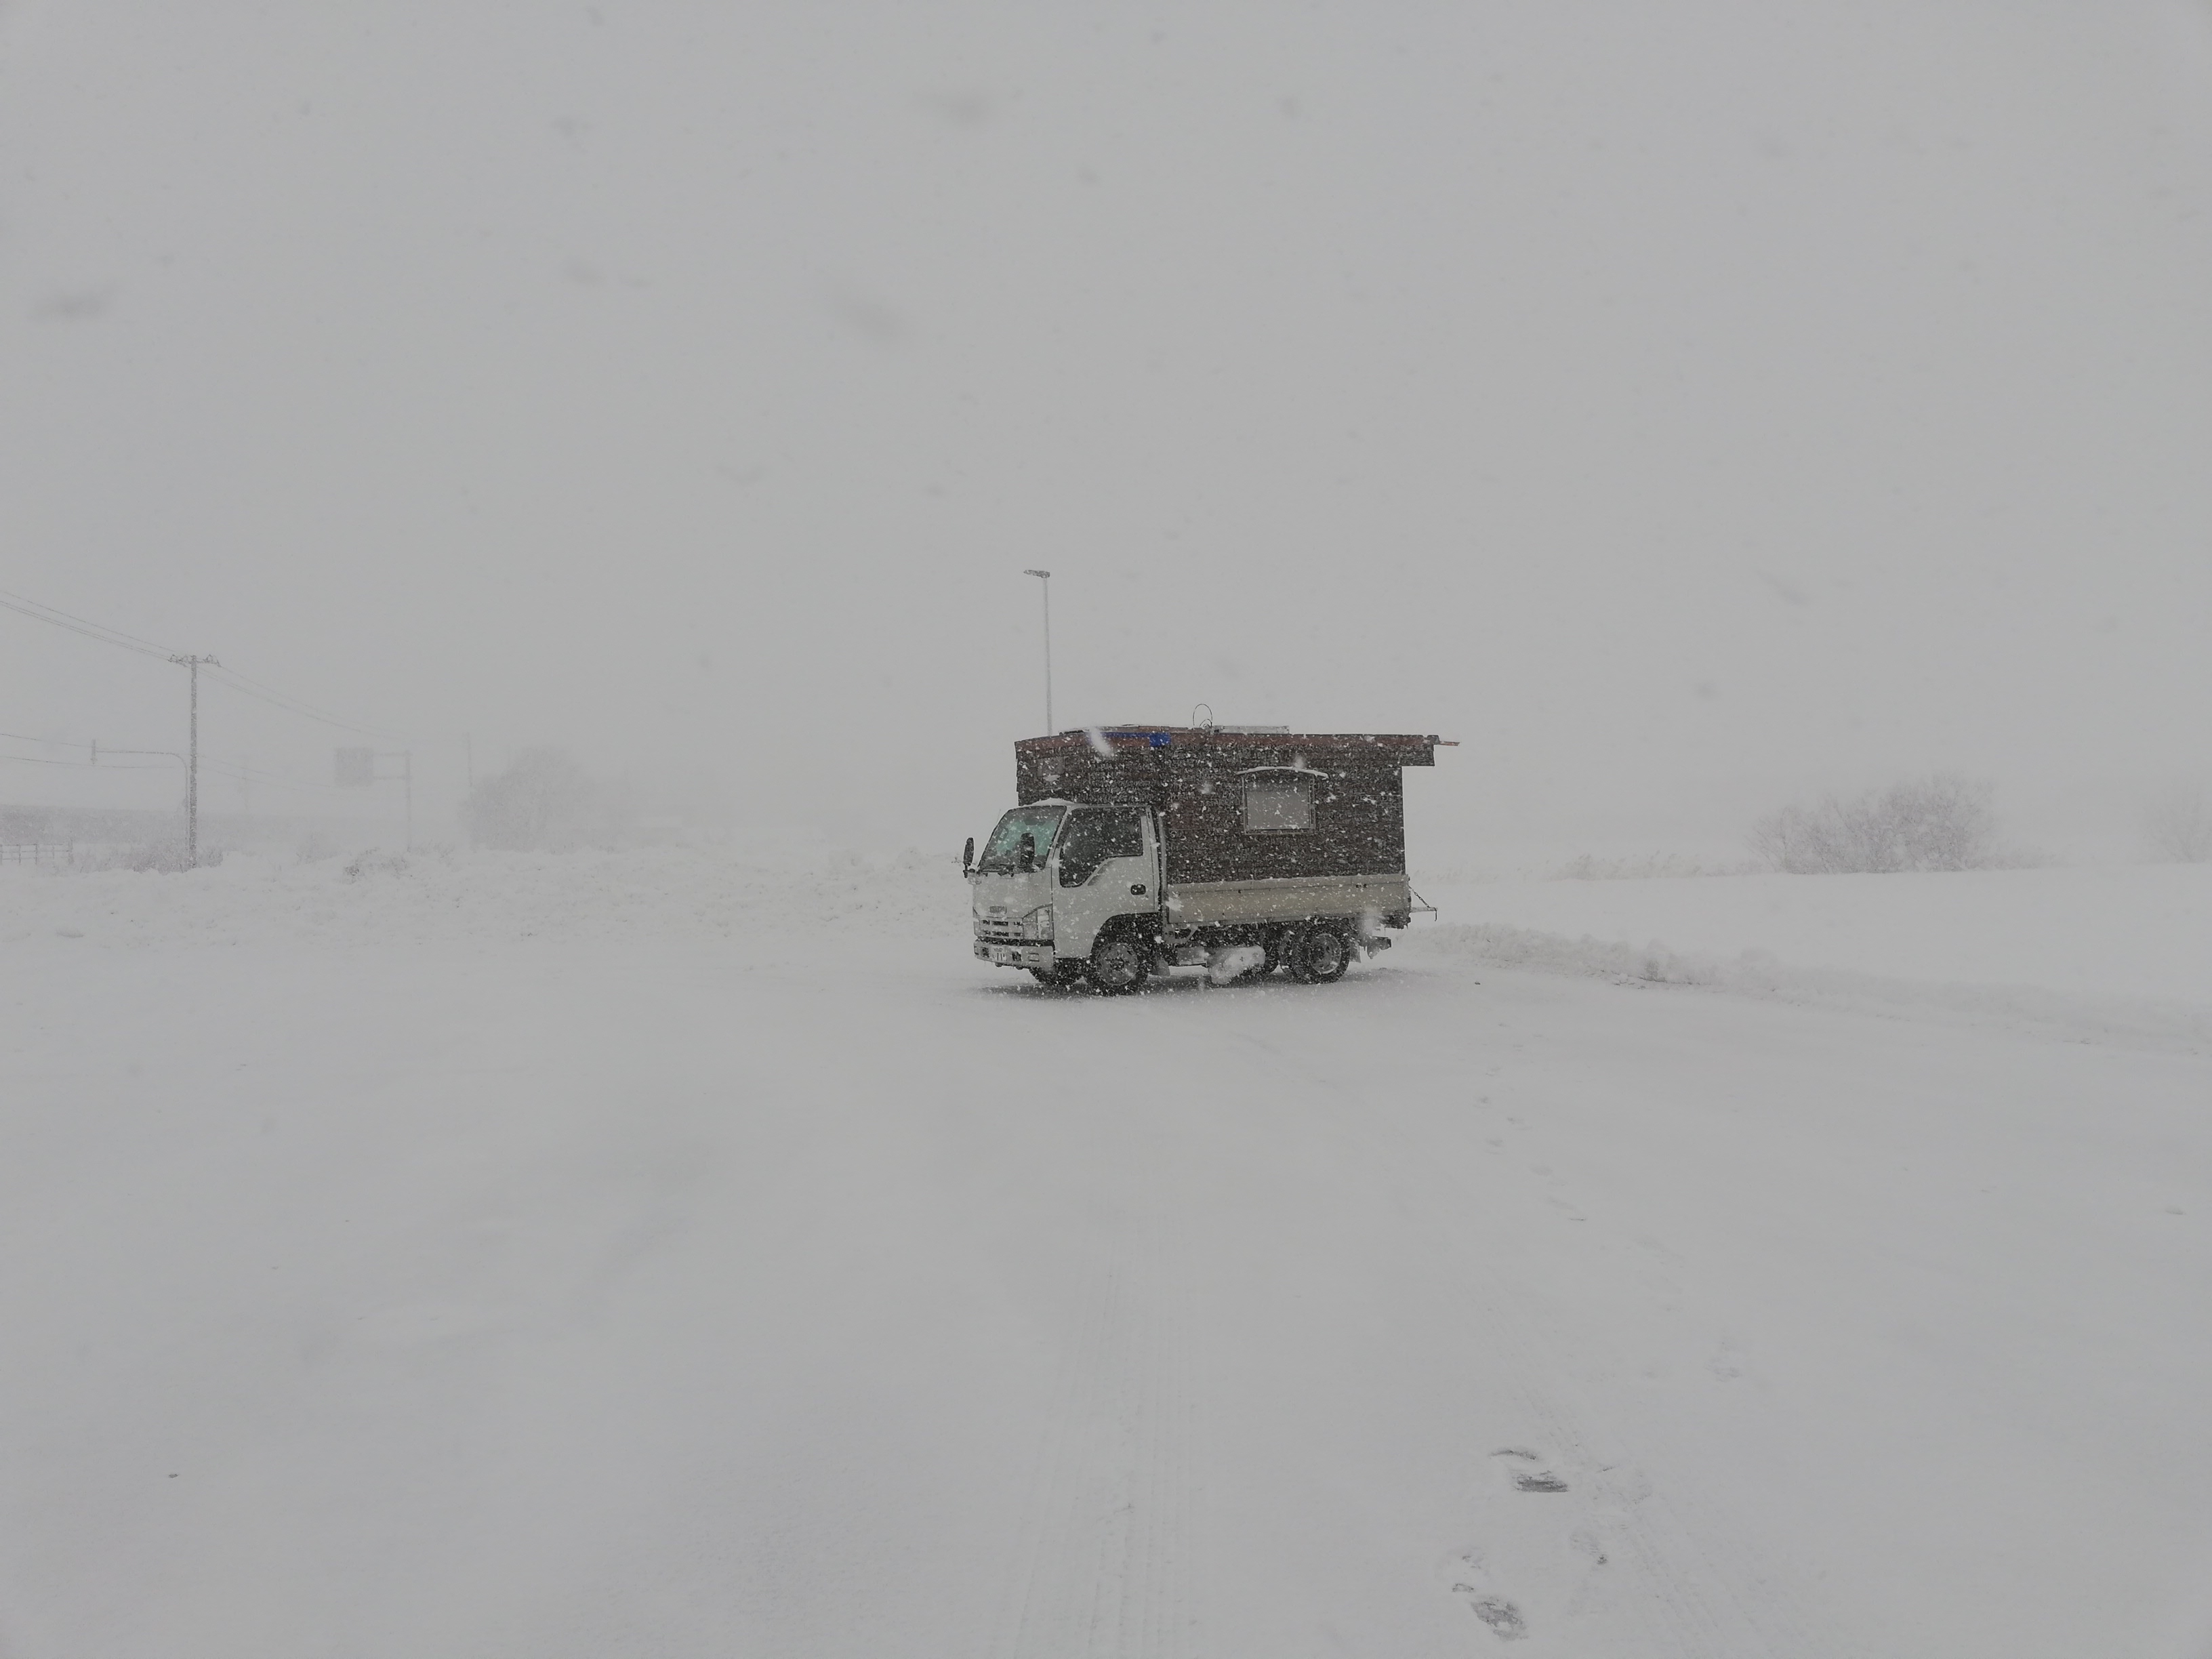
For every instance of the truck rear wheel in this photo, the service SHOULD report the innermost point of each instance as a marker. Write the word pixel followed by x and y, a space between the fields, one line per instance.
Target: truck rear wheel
pixel 1119 964
pixel 1319 955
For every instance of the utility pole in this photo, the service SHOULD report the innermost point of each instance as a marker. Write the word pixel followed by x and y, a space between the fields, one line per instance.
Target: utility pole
pixel 1045 578
pixel 193 766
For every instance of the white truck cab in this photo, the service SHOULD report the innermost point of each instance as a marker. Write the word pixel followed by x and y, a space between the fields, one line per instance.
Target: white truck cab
pixel 1054 876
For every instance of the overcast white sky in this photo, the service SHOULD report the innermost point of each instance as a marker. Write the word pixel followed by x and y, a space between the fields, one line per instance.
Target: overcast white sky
pixel 1685 406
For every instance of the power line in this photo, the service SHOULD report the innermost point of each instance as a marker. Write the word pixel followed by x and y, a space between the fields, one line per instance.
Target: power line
pixel 247 768
pixel 55 612
pixel 252 774
pixel 38 610
pixel 243 768
pixel 91 631
pixel 258 778
pixel 235 768
pixel 237 771
pixel 127 766
pixel 258 684
pixel 238 683
pixel 22 737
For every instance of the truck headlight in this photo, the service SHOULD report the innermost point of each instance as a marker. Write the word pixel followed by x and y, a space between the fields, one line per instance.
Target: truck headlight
pixel 1038 923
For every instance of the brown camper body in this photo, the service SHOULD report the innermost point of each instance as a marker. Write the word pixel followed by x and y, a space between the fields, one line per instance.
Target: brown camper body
pixel 1197 779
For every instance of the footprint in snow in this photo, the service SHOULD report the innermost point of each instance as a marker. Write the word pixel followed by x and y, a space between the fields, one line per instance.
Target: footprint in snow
pixel 1501 1615
pixel 1470 1580
pixel 1528 1470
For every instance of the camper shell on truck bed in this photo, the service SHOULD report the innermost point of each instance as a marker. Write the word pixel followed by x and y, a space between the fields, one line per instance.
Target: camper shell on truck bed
pixel 1252 837
pixel 1198 780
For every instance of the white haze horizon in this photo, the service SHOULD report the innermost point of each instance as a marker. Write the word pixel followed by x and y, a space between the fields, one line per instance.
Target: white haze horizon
pixel 1687 414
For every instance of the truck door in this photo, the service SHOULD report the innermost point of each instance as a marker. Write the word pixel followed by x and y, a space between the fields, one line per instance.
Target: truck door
pixel 1105 864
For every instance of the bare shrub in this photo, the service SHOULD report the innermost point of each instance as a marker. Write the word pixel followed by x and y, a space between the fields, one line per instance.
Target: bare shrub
pixel 2178 828
pixel 373 863
pixel 544 802
pixel 1939 823
pixel 167 856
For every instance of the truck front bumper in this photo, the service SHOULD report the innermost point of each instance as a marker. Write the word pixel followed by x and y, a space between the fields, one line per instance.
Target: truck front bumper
pixel 1014 956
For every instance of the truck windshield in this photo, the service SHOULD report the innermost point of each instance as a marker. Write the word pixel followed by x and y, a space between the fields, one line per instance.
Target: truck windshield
pixel 999 858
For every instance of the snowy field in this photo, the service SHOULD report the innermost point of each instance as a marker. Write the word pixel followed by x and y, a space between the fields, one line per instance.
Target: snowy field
pixel 669 1254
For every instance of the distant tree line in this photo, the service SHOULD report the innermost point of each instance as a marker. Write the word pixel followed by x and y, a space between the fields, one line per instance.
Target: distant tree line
pixel 1939 823
pixel 2178 826
pixel 545 802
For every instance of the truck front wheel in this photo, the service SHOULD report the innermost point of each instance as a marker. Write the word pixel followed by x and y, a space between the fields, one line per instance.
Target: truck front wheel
pixel 1319 955
pixel 1119 964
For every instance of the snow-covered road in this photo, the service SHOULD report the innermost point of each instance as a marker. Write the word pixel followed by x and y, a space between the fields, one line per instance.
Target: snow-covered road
pixel 554 1298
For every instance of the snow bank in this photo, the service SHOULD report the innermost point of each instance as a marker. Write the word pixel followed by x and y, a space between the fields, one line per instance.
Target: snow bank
pixel 2165 1023
pixel 382 898
pixel 2129 932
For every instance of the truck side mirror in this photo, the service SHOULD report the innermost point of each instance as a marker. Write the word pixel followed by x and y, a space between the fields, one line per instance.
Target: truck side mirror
pixel 968 856
pixel 1025 857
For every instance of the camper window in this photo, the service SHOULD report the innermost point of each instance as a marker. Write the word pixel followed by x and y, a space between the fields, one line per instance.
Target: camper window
pixel 1274 807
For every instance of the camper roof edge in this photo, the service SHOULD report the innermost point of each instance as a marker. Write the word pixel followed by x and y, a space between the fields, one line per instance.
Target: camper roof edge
pixel 1407 749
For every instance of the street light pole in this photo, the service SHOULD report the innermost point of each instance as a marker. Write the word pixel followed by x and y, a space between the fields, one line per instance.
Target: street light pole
pixel 1044 578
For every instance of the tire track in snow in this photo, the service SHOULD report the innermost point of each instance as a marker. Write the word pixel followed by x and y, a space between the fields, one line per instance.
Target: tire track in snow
pixel 1106 1535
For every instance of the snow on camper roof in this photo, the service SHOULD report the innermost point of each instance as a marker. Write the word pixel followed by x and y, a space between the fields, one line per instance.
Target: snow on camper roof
pixel 1405 749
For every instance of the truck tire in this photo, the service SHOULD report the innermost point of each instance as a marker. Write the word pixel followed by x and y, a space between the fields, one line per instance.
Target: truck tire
pixel 1120 964
pixel 1319 955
